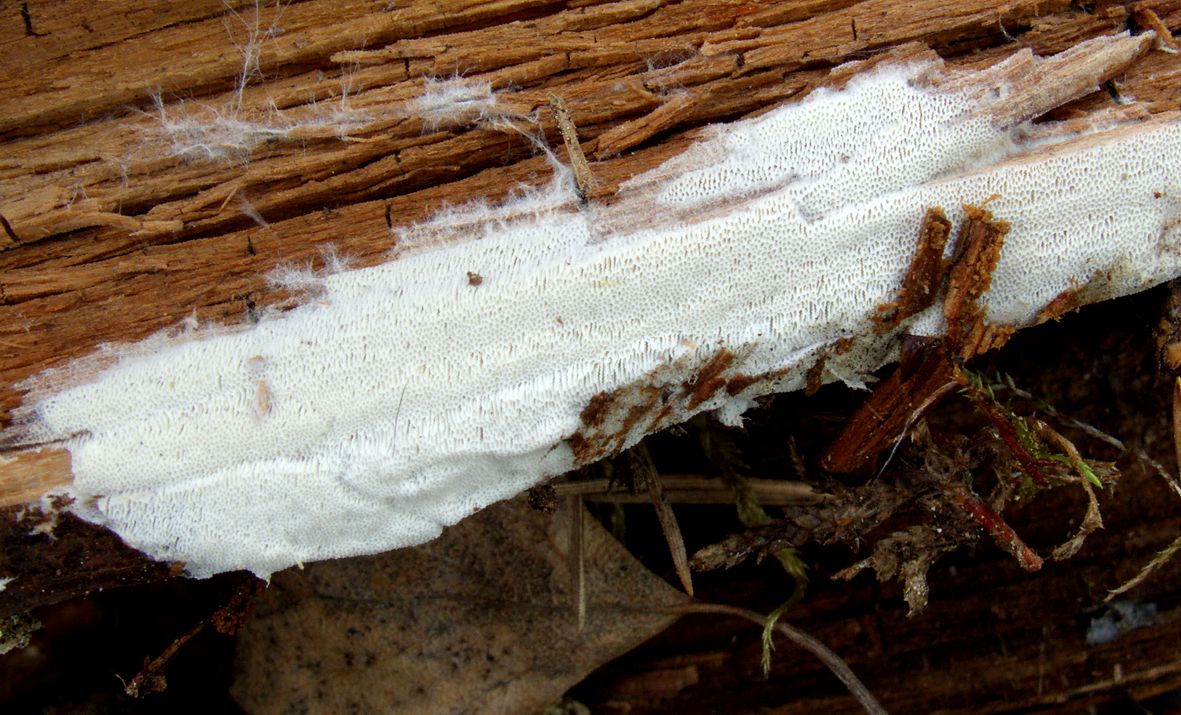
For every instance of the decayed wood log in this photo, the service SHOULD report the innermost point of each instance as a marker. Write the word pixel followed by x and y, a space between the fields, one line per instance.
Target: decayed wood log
pixel 110 239
pixel 114 228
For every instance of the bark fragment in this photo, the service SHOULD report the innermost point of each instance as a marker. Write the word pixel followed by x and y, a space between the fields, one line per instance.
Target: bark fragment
pixel 893 406
pixel 925 275
pixel 977 251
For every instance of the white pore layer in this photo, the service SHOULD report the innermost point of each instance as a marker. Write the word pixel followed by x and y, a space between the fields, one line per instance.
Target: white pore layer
pixel 405 397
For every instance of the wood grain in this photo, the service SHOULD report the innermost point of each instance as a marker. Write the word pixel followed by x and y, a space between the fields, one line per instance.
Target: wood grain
pixel 114 240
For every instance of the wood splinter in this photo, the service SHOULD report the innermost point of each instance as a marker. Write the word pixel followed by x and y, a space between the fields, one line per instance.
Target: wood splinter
pixel 578 162
pixel 977 252
pixel 928 370
pixel 923 278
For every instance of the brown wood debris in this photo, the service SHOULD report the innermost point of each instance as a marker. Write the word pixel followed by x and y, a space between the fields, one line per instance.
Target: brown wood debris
pixel 814 377
pixel 53 556
pixel 114 242
pixel 613 417
pixel 1043 84
pixel 1168 333
pixel 30 474
pixel 1168 355
pixel 977 250
pixel 924 278
pixel 1147 18
pixel 893 406
pixel 708 380
pixel 583 180
pixel 929 369
pixel 1063 303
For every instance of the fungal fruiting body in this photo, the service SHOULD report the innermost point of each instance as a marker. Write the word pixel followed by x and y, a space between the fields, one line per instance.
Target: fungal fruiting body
pixel 408 395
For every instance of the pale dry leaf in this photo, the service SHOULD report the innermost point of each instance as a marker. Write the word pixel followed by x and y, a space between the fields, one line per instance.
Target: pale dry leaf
pixel 480 620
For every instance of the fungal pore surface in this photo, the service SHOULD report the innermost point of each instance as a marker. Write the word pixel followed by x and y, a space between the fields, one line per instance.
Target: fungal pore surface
pixel 409 395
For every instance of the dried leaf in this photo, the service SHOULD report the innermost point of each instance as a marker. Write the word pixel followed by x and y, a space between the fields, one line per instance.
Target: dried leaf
pixel 479 620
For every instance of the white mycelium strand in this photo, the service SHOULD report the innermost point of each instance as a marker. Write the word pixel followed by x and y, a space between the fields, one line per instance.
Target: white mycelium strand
pixel 407 395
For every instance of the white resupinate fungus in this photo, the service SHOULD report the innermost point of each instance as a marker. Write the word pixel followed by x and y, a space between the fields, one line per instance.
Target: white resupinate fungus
pixel 407 396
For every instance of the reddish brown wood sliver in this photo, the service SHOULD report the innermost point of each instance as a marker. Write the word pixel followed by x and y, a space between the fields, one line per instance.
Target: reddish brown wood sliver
pixel 977 251
pixel 885 414
pixel 925 275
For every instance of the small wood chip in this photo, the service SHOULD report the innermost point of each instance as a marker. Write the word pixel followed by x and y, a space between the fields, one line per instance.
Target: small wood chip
pixel 923 278
pixel 977 251
pixel 578 162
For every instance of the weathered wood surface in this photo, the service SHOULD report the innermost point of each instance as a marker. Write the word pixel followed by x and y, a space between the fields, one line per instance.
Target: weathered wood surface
pixel 111 239
pixel 107 237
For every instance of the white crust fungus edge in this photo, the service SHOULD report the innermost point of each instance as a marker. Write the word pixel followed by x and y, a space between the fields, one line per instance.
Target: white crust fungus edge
pixel 408 395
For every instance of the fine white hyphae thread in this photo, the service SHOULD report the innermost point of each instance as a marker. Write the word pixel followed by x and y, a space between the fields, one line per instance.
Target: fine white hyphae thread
pixel 407 396
pixel 232 130
pixel 455 101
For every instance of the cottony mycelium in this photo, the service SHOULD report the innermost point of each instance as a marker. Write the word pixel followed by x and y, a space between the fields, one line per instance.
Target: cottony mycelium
pixel 407 396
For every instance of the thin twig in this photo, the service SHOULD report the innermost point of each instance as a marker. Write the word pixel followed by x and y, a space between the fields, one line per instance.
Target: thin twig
pixel 833 661
pixel 993 524
pixel 227 620
pixel 578 162
pixel 1090 430
pixel 577 558
pixel 1176 431
pixel 1169 551
pixel 1159 560
pixel 642 465
pixel 698 489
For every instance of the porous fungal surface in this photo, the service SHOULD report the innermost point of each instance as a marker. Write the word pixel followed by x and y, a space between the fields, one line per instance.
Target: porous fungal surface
pixel 406 396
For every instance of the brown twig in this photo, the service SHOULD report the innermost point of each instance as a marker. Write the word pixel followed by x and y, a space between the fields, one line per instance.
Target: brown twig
pixel 577 558
pixel 1045 407
pixel 1006 429
pixel 226 620
pixel 697 489
pixel 578 162
pixel 642 466
pixel 833 661
pixel 993 523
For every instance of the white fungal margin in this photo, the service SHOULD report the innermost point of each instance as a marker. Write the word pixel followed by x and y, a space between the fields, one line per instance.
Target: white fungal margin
pixel 307 282
pixel 201 132
pixel 478 219
pixel 408 395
